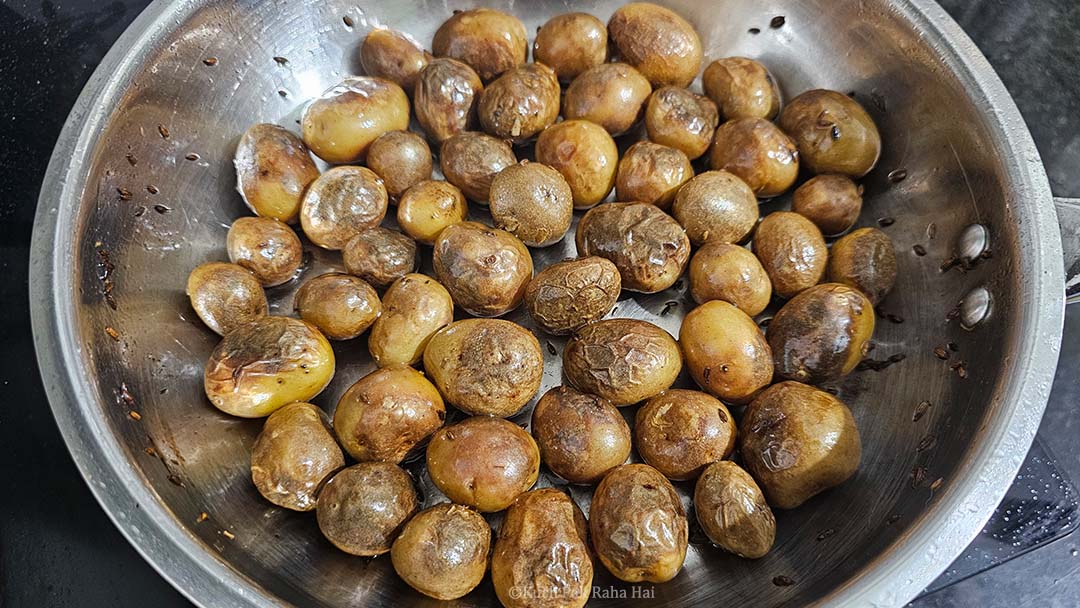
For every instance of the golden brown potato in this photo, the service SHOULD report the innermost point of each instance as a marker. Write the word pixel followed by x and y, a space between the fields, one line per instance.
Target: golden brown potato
pixel 380 256
pixel 741 88
pixel 821 334
pixel 681 119
pixel 471 160
pixel 584 154
pixel 533 202
pixel 342 203
pixel 792 252
pixel 726 353
pixel 638 525
pixel 581 436
pixel 342 122
pixel 485 269
pixel 716 206
pixel 483 462
pixel 402 159
pixel 865 260
pixel 225 296
pixel 680 432
pixel 485 367
pixel 445 98
pixel 622 360
pixel 273 168
pixel 570 44
pixel 651 173
pixel 340 305
pixel 362 508
pixel 757 152
pixel 732 511
pixel 798 441
pixel 656 41
pixel 520 103
pixel 833 132
pixel 721 271
pixel 611 95
pixel 413 309
pixel 488 40
pixel 832 202
pixel 570 294
pixel 428 207
pixel 648 246
pixel 265 364
pixel 293 454
pixel 394 56
pixel 266 247
pixel 443 551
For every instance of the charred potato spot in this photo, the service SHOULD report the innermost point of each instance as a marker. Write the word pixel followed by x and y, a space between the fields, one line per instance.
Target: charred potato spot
pixel 414 308
pixel 532 202
pixel 341 306
pixel 792 251
pixel 581 437
pixel 488 40
pixel 658 42
pixel 757 152
pixel 721 271
pixel 586 156
pixel 571 43
pixel 293 455
pixel 681 119
pixel 726 353
pixel 445 98
pixel 486 270
pixel 362 508
pixel 622 360
pixel 273 168
pixel 401 159
pixel 568 295
pixel 340 125
pixel 832 202
pixel 428 207
pixel 611 95
pixel 680 432
pixel 225 296
pixel 471 160
pixel 648 246
pixel 865 260
pixel 651 173
pixel 266 247
pixel 520 103
pixel 392 55
pixel 342 203
pixel 380 256
pixel 833 132
pixel 716 206
pixel 742 88
pixel 442 551
pixel 732 510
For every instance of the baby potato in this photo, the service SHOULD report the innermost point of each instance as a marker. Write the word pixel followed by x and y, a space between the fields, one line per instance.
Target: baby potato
pixel 340 124
pixel 401 159
pixel 293 454
pixel 865 260
pixel 656 41
pixel 471 160
pixel 264 364
pixel 488 40
pixel 721 271
pixel 445 98
pixel 273 168
pixel 833 132
pixel 832 202
pixel 486 270
pixel 732 510
pixel 394 56
pixel 442 551
pixel 225 296
pixel 821 334
pixel 638 525
pixel 581 437
pixel 483 462
pixel 266 247
pixel 726 352
pixel 651 173
pixel 532 202
pixel 520 103
pixel 622 360
pixel 380 256
pixel 681 119
pixel 485 367
pixel 648 246
pixel 340 305
pixel 757 152
pixel 610 95
pixel 584 154
pixel 570 44
pixel 428 207
pixel 413 309
pixel 792 252
pixel 798 441
pixel 716 206
pixel 680 432
pixel 387 413
pixel 362 509
pixel 342 203
pixel 741 88
pixel 573 293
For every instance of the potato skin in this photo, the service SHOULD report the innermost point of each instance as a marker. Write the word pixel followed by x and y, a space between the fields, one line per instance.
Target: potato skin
pixel 486 270
pixel 401 159
pixel 225 296
pixel 445 98
pixel 470 160
pixel 648 246
pixel 680 432
pixel 442 551
pixel 833 132
pixel 361 509
pixel 520 103
pixel 340 305
pixel 380 256
pixel 651 173
pixel 681 119
pixel 586 156
pixel 266 247
pixel 758 152
pixel 293 454
pixel 413 309
pixel 733 512
pixel 342 203
pixel 488 40
pixel 391 55
pixel 581 437
pixel 611 95
pixel 865 260
pixel 741 88
pixel 622 360
pixel 716 205
pixel 428 207
pixel 570 294
pixel 638 525
pixel 792 252
pixel 340 124
pixel 656 41
pixel 273 168
pixel 721 271
pixel 832 202
pixel 533 202
pixel 571 43
pixel 726 353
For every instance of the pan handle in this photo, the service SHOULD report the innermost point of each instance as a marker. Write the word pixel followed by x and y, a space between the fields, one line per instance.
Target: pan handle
pixel 1068 212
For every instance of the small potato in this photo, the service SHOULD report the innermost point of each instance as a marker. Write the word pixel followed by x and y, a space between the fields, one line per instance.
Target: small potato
pixel 225 296
pixel 651 173
pixel 483 462
pixel 486 270
pixel 471 160
pixel 832 202
pixel 401 159
pixel 648 246
pixel 362 508
pixel 340 305
pixel 273 168
pixel 798 441
pixel 266 247
pixel 533 202
pixel 443 551
pixel 732 511
pixel 428 207
pixel 541 557
pixel 833 132
pixel 716 206
pixel 658 42
pixel 413 309
pixel 342 122
pixel 293 454
pixel 821 334
pixel 387 413
pixel 520 103
pixel 681 119
pixel 585 155
pixel 638 525
pixel 622 360
pixel 488 40
pixel 485 367
pixel 445 98
pixel 680 432
pixel 792 252
pixel 380 256
pixel 571 43
pixel 865 260
pixel 581 436
pixel 726 353
pixel 264 364
pixel 611 95
pixel 342 203
pixel 568 295
pixel 741 88
pixel 721 271
pixel 394 56
pixel 759 153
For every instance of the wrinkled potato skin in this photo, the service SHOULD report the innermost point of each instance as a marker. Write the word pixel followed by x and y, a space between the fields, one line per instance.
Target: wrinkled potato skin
pixel 611 95
pixel 340 125
pixel 797 441
pixel 273 168
pixel 581 436
pixel 726 353
pixel 721 271
pixel 568 295
pixel 865 260
pixel 741 88
pixel 380 256
pixel 340 305
pixel 636 500
pixel 391 55
pixel 680 432
pixel 428 207
pixel 571 43
pixel 833 132
pixel 658 42
pixel 413 309
pixel 648 246
pixel 485 367
pixel 471 160
pixel 293 454
pixel 362 508
pixel 532 202
pixel 443 551
pixel 520 103
pixel 483 462
pixel 225 296
pixel 266 247
pixel 792 252
pixel 488 40
pixel 733 512
pixel 402 159
pixel 681 119
pixel 445 98
pixel 342 203
pixel 586 156
pixel 486 270
pixel 622 360
pixel 652 173
pixel 757 152
pixel 832 202
pixel 716 206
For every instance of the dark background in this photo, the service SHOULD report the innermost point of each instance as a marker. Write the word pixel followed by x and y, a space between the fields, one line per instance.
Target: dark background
pixel 57 547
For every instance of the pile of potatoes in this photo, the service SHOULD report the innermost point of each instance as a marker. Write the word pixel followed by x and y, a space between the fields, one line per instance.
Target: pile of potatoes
pixel 485 109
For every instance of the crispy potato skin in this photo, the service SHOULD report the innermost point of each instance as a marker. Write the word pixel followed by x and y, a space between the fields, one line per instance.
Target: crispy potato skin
pixel 225 296
pixel 792 252
pixel 340 125
pixel 681 119
pixel 741 88
pixel 622 360
pixel 488 40
pixel 726 353
pixel 486 270
pixel 680 432
pixel 293 454
pixel 520 103
pixel 733 512
pixel 611 95
pixel 658 42
pixel 652 173
pixel 758 152
pixel 832 202
pixel 362 509
pixel 273 168
pixel 586 156
pixel 716 206
pixel 443 551
pixel 581 437
pixel 341 204
pixel 340 305
pixel 721 271
pixel 380 256
pixel 533 202
pixel 470 160
pixel 391 55
pixel 571 43
pixel 865 260
pixel 428 207
pixel 833 132
pixel 401 159
pixel 568 295
pixel 445 98
pixel 413 309
pixel 266 247
pixel 648 246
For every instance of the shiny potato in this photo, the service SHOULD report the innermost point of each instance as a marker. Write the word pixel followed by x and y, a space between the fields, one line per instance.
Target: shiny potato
pixel 471 160
pixel 340 305
pixel 394 56
pixel 488 40
pixel 716 206
pixel 293 454
pixel 380 256
pixel 413 309
pixel 521 103
pixel 865 260
pixel 622 360
pixel 721 271
pixel 833 132
pixel 483 462
pixel 584 154
pixel 792 252
pixel 656 41
pixel 570 294
pixel 442 551
pixel 266 247
pixel 651 173
pixel 821 334
pixel 485 367
pixel 741 88
pixel 533 202
pixel 445 98
pixel 832 202
pixel 428 207
pixel 570 44
pixel 225 296
pixel 638 525
pixel 611 95
pixel 581 437
pixel 362 509
pixel 402 159
pixel 264 364
pixel 733 512
pixel 648 246
pixel 757 152
pixel 273 168
pixel 486 270
pixel 726 353
pixel 342 203
pixel 680 432
pixel 798 441
pixel 681 119
pixel 340 124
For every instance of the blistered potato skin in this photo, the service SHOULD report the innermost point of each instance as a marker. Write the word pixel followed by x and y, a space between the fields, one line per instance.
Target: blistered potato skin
pixel 726 353
pixel 586 156
pixel 342 203
pixel 733 512
pixel 622 360
pixel 658 42
pixel 442 551
pixel 832 202
pixel 488 40
pixel 679 432
pixel 570 294
pixel 380 256
pixel 716 205
pixel 520 103
pixel 758 152
pixel 486 270
pixel 652 173
pixel 611 95
pixel 741 88
pixel 340 124
pixel 581 436
pixel 413 309
pixel 571 43
pixel 266 247
pixel 648 246
pixel 340 305
pixel 401 159
pixel 445 98
pixel 362 509
pixel 225 296
pixel 681 119
pixel 293 454
pixel 391 55
pixel 273 168
pixel 865 260
pixel 470 160
pixel 533 202
pixel 792 252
